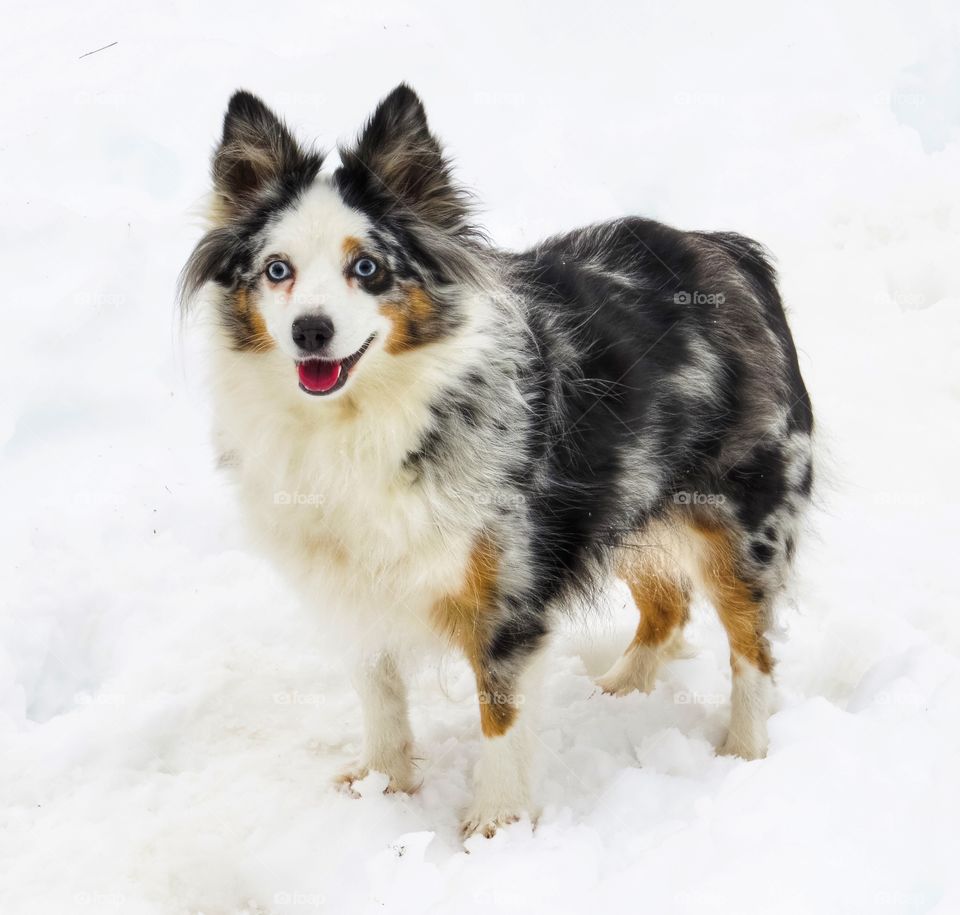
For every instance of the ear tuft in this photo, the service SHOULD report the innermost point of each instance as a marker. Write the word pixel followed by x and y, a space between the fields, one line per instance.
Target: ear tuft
pixel 245 108
pixel 402 111
pixel 257 154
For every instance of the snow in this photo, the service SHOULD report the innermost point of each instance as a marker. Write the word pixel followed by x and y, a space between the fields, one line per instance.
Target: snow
pixel 170 717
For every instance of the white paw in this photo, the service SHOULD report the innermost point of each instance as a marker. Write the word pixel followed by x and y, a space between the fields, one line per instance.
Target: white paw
pixel 494 806
pixel 634 671
pixel 399 770
pixel 754 748
pixel 614 685
pixel 479 821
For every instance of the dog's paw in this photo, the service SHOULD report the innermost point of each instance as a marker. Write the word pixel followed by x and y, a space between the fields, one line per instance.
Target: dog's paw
pixel 613 683
pixel 636 669
pixel 401 777
pixel 489 813
pixel 744 749
pixel 485 823
pixel 627 676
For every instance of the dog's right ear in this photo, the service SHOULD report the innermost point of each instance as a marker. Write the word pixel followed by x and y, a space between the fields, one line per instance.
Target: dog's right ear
pixel 256 157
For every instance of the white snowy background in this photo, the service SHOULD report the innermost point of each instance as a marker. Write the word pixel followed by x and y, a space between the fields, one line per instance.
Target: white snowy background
pixel 170 716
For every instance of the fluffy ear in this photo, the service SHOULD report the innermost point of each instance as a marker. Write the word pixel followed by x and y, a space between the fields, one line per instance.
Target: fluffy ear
pixel 397 166
pixel 257 156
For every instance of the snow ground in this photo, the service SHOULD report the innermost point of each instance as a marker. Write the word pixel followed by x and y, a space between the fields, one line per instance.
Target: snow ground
pixel 169 715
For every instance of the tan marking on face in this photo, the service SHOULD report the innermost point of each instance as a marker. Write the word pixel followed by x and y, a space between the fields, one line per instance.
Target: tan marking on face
pixel 468 617
pixel 410 313
pixel 257 337
pixel 742 616
pixel 351 248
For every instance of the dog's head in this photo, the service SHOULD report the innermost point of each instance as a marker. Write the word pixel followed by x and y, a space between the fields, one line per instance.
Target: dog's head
pixel 334 273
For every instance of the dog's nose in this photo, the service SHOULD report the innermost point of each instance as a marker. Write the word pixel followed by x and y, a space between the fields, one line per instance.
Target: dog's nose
pixel 312 333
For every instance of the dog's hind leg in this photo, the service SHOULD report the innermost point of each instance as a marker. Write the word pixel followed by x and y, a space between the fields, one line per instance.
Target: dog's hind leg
pixel 743 605
pixel 662 595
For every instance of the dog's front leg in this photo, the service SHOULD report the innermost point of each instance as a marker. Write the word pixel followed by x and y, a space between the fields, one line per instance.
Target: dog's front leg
pixel 502 635
pixel 388 739
pixel 502 776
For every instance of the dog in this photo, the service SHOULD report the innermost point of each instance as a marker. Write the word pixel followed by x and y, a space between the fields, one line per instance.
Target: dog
pixel 441 443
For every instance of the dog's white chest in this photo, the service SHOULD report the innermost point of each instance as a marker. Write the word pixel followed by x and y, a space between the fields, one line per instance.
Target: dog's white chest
pixel 350 525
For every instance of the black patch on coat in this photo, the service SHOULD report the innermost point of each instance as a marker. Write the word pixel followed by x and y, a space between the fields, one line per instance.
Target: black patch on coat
pixel 757 484
pixel 761 552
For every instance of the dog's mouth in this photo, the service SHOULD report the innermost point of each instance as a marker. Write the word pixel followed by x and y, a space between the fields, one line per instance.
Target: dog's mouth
pixel 324 376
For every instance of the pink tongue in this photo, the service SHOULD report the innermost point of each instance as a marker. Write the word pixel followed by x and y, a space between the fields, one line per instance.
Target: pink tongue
pixel 318 376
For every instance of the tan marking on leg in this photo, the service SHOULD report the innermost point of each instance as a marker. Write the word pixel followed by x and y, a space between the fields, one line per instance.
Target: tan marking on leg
pixel 661 593
pixel 741 615
pixel 663 603
pixel 467 617
pixel 497 714
pixel 411 308
pixel 464 616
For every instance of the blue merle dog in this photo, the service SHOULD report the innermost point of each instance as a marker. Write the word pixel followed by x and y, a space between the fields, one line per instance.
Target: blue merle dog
pixel 446 444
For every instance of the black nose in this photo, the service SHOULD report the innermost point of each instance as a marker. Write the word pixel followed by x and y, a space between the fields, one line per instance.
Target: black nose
pixel 312 333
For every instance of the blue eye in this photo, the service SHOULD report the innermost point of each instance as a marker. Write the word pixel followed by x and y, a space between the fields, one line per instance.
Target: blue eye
pixel 365 267
pixel 278 271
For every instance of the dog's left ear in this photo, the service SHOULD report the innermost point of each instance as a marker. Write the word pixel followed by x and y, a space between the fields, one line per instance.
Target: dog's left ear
pixel 397 167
